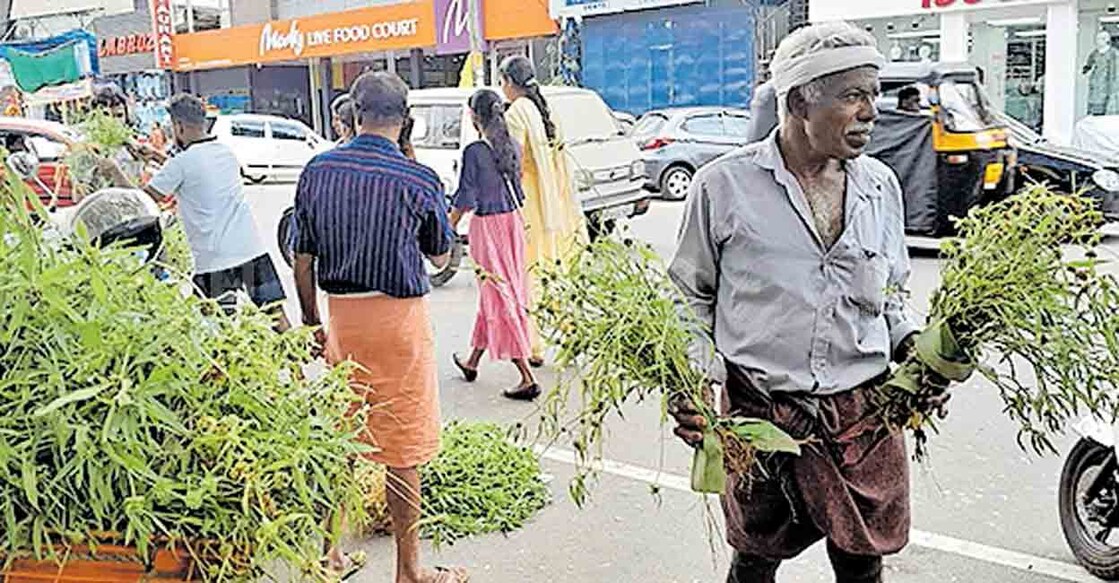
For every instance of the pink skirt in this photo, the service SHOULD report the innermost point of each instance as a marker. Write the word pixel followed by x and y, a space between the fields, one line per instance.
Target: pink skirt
pixel 497 245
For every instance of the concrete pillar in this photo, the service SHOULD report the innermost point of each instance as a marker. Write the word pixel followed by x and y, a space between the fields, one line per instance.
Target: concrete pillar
pixel 416 74
pixel 953 37
pixel 1059 113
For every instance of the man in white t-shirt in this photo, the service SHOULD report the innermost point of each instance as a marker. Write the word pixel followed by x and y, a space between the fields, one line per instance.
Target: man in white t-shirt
pixel 205 179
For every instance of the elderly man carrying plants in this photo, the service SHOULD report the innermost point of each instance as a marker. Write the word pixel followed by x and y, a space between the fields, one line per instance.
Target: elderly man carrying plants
pixel 792 252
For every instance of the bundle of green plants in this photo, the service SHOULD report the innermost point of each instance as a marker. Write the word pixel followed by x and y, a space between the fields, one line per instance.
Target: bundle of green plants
pixel 130 414
pixel 621 334
pixel 480 483
pixel 1044 329
pixel 102 134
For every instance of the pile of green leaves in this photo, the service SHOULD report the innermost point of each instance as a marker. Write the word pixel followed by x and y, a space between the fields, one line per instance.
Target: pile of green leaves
pixel 480 483
pixel 1049 326
pixel 621 332
pixel 134 415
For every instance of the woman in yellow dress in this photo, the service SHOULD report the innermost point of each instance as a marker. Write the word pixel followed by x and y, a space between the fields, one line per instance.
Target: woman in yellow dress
pixel 554 225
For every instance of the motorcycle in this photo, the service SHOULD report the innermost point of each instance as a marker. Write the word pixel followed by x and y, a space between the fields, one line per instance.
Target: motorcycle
pixel 1089 498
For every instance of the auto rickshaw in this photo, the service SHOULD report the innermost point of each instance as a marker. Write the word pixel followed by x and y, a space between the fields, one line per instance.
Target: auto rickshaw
pixel 949 150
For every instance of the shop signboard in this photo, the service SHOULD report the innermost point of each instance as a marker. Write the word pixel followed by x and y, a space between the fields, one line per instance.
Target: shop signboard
pixel 824 10
pixel 378 28
pixel 452 27
pixel 129 44
pixel 163 27
pixel 573 8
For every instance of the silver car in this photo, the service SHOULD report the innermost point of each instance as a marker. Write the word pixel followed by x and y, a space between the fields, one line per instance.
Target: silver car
pixel 676 142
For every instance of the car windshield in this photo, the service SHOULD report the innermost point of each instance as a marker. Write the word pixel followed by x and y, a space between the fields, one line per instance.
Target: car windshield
pixel 584 117
pixel 965 107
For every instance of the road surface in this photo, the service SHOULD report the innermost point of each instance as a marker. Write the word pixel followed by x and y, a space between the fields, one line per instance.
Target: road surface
pixel 983 510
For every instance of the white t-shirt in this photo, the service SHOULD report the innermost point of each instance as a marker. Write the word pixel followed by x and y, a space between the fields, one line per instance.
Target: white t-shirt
pixel 206 179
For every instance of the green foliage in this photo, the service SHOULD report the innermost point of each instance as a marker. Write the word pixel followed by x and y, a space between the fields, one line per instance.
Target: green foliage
pixel 480 483
pixel 132 414
pixel 618 325
pixel 1007 292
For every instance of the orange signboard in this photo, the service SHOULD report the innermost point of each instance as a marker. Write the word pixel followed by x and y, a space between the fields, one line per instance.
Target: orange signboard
pixel 507 19
pixel 379 28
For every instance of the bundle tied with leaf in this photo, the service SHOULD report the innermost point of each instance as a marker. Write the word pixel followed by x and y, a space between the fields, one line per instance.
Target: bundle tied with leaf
pixel 621 334
pixel 131 415
pixel 1048 327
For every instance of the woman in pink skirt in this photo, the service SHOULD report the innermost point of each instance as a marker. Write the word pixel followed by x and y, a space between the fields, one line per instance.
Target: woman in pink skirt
pixel 490 188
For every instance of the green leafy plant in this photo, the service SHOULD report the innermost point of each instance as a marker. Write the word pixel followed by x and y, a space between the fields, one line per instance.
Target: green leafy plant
pixel 1009 298
pixel 480 483
pixel 621 334
pixel 130 414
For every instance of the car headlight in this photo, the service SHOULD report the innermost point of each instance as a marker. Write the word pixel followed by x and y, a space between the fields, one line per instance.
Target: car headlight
pixel 1107 180
pixel 584 180
pixel 637 169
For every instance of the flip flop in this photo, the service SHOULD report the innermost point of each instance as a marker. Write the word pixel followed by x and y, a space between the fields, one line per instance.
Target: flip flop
pixel 470 374
pixel 528 393
pixel 451 575
pixel 536 362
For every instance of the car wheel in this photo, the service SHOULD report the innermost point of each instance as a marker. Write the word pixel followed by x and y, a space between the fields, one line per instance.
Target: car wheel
pixel 676 182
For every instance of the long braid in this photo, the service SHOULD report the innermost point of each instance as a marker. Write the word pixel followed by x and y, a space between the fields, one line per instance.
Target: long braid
pixel 519 71
pixel 491 117
pixel 534 95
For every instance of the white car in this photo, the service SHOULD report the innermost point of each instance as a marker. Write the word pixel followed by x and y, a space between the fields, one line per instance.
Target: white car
pixel 269 146
pixel 608 171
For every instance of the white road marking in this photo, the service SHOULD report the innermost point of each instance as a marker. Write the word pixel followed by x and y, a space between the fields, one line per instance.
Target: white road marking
pixel 947 544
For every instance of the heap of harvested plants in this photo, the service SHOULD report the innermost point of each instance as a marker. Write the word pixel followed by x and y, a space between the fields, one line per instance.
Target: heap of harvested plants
pixel 132 415
pixel 621 334
pixel 1008 293
pixel 480 483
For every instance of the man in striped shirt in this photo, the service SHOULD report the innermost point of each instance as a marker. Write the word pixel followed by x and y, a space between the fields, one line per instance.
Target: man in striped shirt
pixel 366 218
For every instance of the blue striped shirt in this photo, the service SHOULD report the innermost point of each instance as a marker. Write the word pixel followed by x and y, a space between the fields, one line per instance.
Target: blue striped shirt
pixel 369 216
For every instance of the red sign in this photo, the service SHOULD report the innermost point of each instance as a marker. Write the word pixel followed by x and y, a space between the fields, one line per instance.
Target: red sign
pixel 947 3
pixel 163 27
pixel 118 46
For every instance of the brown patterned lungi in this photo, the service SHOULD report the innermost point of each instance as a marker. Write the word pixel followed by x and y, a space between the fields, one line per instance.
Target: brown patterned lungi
pixel 850 484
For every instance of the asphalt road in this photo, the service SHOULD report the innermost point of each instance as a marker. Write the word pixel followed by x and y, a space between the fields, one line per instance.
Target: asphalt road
pixel 983 510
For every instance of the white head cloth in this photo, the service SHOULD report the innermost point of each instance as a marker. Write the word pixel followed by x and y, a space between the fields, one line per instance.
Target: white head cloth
pixel 797 72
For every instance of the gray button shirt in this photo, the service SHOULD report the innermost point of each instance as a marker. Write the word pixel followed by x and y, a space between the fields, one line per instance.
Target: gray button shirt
pixel 794 316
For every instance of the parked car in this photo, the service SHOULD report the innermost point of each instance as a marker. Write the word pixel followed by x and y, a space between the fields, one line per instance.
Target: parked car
pixel 268 146
pixel 609 175
pixel 678 142
pixel 1066 168
pixel 50 142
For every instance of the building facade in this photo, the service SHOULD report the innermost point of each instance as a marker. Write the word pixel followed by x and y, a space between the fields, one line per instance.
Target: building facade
pixel 649 54
pixel 1048 63
pixel 295 62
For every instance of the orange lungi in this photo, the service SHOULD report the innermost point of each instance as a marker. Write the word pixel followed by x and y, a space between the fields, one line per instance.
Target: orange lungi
pixel 392 342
